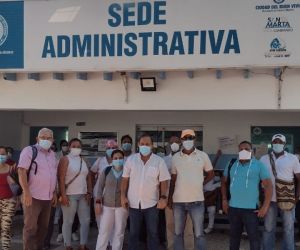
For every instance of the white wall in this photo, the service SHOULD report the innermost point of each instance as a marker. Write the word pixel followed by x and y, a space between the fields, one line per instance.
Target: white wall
pixel 177 92
pixel 234 124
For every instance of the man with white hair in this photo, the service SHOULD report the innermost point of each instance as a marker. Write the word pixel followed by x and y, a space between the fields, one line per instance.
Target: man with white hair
pixel 37 173
pixel 283 166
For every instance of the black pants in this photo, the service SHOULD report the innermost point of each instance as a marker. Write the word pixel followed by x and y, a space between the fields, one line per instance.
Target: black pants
pixel 239 218
pixel 50 227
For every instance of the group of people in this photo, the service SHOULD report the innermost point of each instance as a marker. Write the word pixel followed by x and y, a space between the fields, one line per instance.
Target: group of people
pixel 134 189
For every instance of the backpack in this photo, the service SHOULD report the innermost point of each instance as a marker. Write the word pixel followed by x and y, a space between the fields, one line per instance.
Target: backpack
pixel 107 170
pixel 14 170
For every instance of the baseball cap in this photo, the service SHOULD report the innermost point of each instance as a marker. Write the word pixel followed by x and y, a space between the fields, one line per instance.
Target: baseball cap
pixel 280 137
pixel 187 132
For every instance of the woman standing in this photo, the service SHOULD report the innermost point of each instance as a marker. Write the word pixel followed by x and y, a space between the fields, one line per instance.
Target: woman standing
pixel 7 201
pixel 75 187
pixel 114 216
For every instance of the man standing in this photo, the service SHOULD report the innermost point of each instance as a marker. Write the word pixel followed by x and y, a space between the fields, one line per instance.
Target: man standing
pixel 126 144
pixel 144 188
pixel 186 189
pixel 242 179
pixel 285 166
pixel 38 183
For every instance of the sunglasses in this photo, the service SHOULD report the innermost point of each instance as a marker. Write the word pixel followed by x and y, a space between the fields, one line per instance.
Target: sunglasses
pixel 188 138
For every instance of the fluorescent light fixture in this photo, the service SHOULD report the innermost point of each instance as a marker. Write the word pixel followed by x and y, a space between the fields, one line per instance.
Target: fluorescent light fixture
pixel 190 74
pixel 64 15
pixel 148 83
pixel 10 76
pixel 82 76
pixel 34 76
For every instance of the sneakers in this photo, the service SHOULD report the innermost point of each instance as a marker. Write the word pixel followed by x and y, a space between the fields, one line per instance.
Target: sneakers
pixel 75 237
pixel 60 238
pixel 208 230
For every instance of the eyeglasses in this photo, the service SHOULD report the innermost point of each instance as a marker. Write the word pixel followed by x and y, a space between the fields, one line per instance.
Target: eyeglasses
pixel 188 138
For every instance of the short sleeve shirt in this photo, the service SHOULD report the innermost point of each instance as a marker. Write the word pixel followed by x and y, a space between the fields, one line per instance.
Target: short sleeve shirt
pixel 144 180
pixel 286 166
pixel 43 183
pixel 189 170
pixel 244 183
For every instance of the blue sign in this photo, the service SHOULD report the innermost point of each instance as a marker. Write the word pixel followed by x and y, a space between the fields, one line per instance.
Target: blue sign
pixel 12 35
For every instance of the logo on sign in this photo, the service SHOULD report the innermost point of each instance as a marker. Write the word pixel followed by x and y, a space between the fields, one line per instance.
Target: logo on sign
pixel 3 30
pixel 277 49
pixel 279 6
pixel 279 1
pixel 278 24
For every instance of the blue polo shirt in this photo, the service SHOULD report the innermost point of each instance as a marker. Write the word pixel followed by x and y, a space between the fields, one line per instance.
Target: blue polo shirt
pixel 244 183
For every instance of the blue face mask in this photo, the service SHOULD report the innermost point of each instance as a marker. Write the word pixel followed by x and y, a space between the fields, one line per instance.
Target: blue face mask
pixel 118 163
pixel 145 150
pixel 3 159
pixel 126 146
pixel 109 152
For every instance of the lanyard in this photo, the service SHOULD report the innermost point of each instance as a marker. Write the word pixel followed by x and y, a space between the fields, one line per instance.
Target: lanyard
pixel 235 173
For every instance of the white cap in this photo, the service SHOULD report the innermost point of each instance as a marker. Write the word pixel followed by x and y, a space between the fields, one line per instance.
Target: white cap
pixel 280 137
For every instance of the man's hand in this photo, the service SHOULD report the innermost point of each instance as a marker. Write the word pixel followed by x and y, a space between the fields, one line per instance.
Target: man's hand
pixel 27 199
pixel 124 202
pixel 54 200
pixel 170 203
pixel 98 209
pixel 225 206
pixel 262 211
pixel 88 198
pixel 65 201
pixel 162 203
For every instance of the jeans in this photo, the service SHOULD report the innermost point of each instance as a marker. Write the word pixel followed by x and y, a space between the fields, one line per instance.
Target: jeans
pixel 78 204
pixel 239 218
pixel 136 218
pixel 196 212
pixel 270 228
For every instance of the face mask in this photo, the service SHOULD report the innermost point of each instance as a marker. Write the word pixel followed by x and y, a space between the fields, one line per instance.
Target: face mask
pixel 109 152
pixel 118 164
pixel 188 144
pixel 145 150
pixel 64 148
pixel 126 146
pixel 175 147
pixel 3 159
pixel 45 144
pixel 278 148
pixel 244 155
pixel 162 155
pixel 75 151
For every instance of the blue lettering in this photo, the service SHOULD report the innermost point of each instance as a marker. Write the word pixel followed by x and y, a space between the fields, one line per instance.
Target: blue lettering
pixel 108 45
pixel 145 37
pixel 129 42
pixel 202 42
pixel 119 44
pixel 127 13
pixel 112 10
pixel 48 47
pixel 177 44
pixel 144 6
pixel 215 46
pixel 63 46
pixel 96 45
pixel 84 48
pixel 158 12
pixel 160 41
pixel 232 42
pixel 191 40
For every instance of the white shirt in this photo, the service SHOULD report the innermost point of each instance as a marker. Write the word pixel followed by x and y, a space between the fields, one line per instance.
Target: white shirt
pixel 99 165
pixel 189 170
pixel 79 185
pixel 168 161
pixel 286 166
pixel 144 180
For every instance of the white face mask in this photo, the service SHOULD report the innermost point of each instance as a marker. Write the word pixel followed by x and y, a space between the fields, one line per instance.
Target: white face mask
pixel 75 151
pixel 174 147
pixel 245 155
pixel 45 144
pixel 188 144
pixel 278 148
